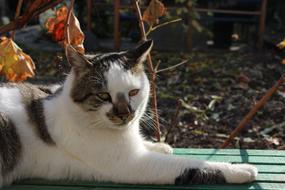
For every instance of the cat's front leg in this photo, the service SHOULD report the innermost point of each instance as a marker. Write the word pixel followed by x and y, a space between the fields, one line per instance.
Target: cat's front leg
pixel 156 168
pixel 218 173
pixel 158 147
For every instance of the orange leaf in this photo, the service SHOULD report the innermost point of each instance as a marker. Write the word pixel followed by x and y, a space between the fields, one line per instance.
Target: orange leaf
pixel 75 34
pixel 56 26
pixel 61 14
pixel 283 61
pixel 58 32
pixel 50 25
pixel 154 10
pixel 15 64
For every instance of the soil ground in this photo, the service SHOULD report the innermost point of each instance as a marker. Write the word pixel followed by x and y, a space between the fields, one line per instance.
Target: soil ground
pixel 218 88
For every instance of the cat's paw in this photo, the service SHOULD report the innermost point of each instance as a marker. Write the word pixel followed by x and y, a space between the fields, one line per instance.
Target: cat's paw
pixel 162 148
pixel 240 173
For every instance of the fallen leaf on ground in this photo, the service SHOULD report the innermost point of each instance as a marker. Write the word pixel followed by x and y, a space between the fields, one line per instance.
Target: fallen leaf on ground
pixel 281 45
pixel 273 140
pixel 243 78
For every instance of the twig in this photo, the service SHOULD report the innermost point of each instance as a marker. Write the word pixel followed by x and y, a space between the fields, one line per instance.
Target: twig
pixel 174 119
pixel 18 11
pixel 253 110
pixel 172 67
pixel 149 30
pixel 163 24
pixel 70 9
pixel 157 66
pixel 152 72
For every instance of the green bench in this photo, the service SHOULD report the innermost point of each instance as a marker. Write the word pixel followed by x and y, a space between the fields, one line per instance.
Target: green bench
pixel 270 163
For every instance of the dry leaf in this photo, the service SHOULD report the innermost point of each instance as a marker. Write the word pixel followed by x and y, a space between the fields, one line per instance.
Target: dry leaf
pixel 75 34
pixel 155 10
pixel 49 25
pixel 272 140
pixel 281 45
pixel 14 63
pixel 58 32
pixel 61 13
pixel 56 26
pixel 243 78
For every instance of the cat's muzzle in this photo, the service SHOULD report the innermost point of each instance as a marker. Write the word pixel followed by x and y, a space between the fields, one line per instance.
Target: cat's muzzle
pixel 122 119
pixel 121 112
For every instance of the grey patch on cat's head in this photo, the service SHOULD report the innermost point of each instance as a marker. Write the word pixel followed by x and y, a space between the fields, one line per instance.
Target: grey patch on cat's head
pixel 89 72
pixel 200 176
pixel 10 145
pixel 101 62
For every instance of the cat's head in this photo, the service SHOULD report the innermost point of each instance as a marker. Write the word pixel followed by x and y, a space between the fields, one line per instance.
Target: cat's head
pixel 112 88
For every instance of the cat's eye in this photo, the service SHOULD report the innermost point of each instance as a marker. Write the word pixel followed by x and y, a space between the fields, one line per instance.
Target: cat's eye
pixel 134 92
pixel 105 96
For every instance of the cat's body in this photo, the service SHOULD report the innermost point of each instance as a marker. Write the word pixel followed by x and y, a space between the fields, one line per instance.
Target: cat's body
pixel 78 133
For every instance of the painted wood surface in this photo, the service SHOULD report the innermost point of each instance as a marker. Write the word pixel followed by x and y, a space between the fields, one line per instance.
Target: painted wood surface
pixel 270 163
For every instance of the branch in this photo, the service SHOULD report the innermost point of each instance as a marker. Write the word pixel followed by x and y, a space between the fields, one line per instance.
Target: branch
pixel 18 11
pixel 157 66
pixel 253 110
pixel 174 119
pixel 36 8
pixel 152 72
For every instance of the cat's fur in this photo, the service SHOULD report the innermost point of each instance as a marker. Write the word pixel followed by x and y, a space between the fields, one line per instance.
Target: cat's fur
pixel 74 134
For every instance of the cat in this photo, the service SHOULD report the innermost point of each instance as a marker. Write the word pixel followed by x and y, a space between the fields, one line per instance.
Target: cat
pixel 89 129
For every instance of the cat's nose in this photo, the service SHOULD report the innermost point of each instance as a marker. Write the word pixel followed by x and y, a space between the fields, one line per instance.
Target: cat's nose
pixel 122 110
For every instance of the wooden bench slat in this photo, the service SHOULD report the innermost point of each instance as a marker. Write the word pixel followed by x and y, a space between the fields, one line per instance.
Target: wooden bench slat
pixel 89 186
pixel 40 187
pixel 278 169
pixel 233 152
pixel 270 163
pixel 263 177
pixel 239 159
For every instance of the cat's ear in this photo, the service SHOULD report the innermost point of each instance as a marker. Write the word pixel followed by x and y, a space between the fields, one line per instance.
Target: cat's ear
pixel 139 54
pixel 75 59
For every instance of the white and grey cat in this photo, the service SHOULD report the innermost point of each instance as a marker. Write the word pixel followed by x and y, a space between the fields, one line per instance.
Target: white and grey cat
pixel 89 129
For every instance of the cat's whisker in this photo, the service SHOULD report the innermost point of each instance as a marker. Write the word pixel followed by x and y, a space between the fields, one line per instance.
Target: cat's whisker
pixel 96 124
pixel 148 124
